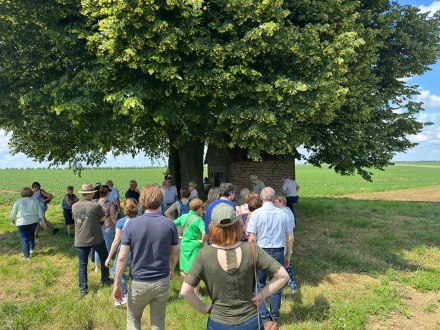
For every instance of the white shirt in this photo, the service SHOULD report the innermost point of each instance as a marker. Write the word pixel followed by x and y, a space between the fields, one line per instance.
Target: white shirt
pixel 194 194
pixel 290 188
pixel 113 195
pixel 270 225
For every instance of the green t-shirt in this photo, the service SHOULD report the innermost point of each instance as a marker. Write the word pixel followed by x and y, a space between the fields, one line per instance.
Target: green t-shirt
pixel 87 216
pixel 230 291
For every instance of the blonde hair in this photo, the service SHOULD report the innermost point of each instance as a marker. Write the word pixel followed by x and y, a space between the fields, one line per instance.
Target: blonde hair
pixel 213 194
pixel 26 192
pixel 195 204
pixel 281 199
pixel 151 197
pixel 131 207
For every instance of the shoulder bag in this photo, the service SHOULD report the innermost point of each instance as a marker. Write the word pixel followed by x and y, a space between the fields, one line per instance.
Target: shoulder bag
pixel 270 325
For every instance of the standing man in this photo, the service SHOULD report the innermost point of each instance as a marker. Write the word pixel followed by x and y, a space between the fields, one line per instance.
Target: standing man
pixel 88 234
pixel 227 195
pixel 114 197
pixel 290 188
pixel 170 192
pixel 153 242
pixel 257 185
pixel 269 228
pixel 132 191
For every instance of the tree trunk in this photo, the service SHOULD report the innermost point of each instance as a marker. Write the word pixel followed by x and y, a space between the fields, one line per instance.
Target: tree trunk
pixel 174 166
pixel 191 164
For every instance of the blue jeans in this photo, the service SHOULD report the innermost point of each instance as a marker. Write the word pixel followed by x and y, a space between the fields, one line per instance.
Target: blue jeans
pixel 27 238
pixel 291 272
pixel 83 257
pixel 251 324
pixel 109 235
pixel 275 298
pixel 123 282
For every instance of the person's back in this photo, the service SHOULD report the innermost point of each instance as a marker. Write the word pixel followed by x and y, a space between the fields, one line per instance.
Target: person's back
pixel 153 242
pixel 150 237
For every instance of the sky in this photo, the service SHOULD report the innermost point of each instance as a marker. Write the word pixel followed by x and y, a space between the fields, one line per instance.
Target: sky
pixel 428 140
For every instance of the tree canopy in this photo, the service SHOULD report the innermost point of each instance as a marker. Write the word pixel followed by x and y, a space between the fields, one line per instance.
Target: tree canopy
pixel 79 79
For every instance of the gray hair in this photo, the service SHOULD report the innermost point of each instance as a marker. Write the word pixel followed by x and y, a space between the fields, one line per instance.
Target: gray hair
pixel 226 189
pixel 253 177
pixel 244 192
pixel 268 194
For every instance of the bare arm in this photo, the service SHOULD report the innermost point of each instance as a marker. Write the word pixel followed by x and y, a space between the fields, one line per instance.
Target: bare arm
pixel 276 283
pixel 118 292
pixel 174 258
pixel 289 242
pixel 46 195
pixel 195 302
pixel 113 213
pixel 114 246
pixel 169 211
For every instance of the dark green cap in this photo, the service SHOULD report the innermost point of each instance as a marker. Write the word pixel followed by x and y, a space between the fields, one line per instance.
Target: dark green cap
pixel 221 212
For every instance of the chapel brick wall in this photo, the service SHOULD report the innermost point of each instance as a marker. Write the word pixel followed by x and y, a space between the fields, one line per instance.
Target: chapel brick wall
pixel 270 172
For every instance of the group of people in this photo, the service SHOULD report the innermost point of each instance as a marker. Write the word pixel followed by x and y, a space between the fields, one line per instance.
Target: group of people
pixel 236 246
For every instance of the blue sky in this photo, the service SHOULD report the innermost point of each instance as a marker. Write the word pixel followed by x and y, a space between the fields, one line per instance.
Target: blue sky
pixel 428 139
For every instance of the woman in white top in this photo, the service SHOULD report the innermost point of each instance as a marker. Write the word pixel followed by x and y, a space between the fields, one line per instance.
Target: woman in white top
pixel 26 214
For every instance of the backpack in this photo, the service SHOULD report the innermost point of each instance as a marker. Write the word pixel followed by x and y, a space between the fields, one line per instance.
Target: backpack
pixel 183 208
pixel 63 203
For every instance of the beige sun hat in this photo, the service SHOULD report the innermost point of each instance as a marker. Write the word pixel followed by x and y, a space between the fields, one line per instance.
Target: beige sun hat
pixel 87 188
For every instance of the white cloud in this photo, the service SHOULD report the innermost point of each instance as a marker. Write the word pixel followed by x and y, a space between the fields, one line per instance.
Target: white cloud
pixel 432 8
pixel 430 101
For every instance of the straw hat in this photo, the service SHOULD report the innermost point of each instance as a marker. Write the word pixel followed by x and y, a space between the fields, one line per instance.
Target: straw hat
pixel 87 188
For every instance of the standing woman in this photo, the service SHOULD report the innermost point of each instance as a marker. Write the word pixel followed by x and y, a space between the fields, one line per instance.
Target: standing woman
pixel 131 212
pixel 69 199
pixel 25 214
pixel 43 197
pixel 108 221
pixel 227 268
pixel 193 236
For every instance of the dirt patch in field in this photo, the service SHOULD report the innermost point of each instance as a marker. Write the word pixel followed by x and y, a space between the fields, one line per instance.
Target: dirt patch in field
pixel 431 194
pixel 2 191
pixel 423 313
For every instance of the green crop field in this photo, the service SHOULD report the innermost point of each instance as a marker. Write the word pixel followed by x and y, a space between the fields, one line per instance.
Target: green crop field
pixel 361 264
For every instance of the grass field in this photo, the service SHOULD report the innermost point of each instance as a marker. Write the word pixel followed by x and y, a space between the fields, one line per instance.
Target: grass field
pixel 371 264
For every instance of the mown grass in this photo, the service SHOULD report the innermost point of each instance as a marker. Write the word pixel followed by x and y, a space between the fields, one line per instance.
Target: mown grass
pixel 354 260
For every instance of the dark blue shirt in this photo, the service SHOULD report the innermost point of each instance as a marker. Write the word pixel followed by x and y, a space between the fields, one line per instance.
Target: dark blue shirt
pixel 132 194
pixel 209 211
pixel 150 237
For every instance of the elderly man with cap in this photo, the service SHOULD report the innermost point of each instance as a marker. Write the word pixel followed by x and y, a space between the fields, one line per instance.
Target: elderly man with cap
pixel 269 228
pixel 88 234
pixel 227 267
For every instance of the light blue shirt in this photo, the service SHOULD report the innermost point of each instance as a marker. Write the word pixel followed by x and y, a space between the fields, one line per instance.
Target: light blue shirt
pixel 27 211
pixel 291 217
pixel 270 225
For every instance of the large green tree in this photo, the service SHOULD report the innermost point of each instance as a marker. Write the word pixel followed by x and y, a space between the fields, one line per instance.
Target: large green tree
pixel 82 78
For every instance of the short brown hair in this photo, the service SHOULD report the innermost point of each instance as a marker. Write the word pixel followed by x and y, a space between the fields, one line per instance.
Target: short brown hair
pixel 253 201
pixel 26 192
pixel 131 207
pixel 281 199
pixel 195 204
pixel 151 197
pixel 185 193
pixel 225 235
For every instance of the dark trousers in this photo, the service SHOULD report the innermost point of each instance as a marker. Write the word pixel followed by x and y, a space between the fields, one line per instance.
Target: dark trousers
pixel 289 203
pixel 275 298
pixel 83 258
pixel 27 238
